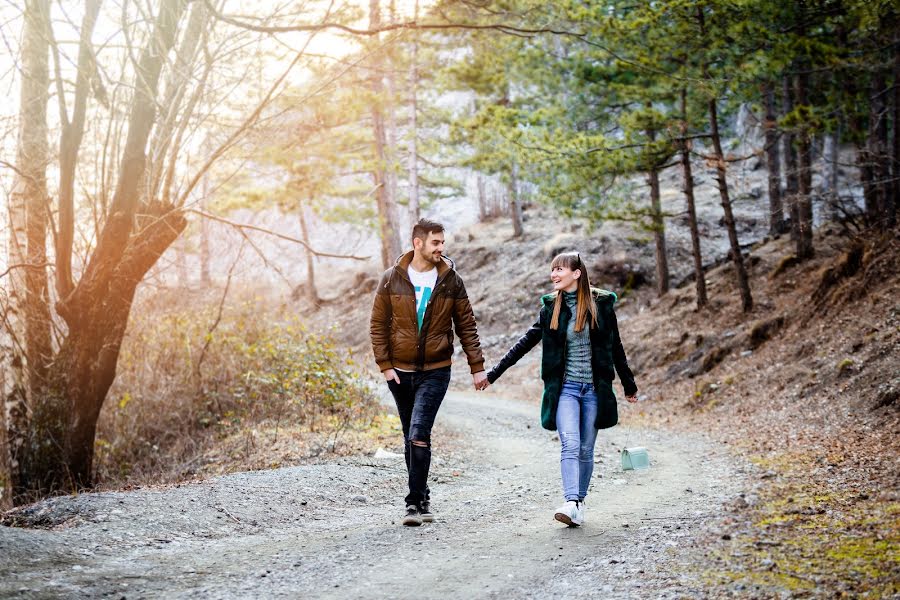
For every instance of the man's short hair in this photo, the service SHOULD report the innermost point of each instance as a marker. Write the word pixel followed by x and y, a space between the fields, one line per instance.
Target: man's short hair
pixel 424 227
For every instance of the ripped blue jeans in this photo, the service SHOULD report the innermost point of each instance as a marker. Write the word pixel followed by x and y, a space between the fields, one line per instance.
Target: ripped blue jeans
pixel 575 418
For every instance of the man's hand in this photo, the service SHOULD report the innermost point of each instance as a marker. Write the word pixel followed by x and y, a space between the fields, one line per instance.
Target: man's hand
pixel 390 374
pixel 632 399
pixel 480 380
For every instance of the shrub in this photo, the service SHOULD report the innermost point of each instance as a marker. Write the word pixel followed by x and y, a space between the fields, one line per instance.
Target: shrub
pixel 845 367
pixel 199 389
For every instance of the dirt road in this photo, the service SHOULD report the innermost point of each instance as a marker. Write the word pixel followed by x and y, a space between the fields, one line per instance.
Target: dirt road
pixel 332 530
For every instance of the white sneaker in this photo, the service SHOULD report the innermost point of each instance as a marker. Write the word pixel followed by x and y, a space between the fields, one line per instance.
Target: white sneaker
pixel 579 517
pixel 569 513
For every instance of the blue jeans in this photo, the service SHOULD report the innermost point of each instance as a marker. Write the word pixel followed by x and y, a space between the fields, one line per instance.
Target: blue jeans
pixel 575 417
pixel 418 396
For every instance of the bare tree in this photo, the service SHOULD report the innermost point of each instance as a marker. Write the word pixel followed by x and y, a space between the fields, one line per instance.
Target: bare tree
pixel 387 217
pixel 26 317
pixel 67 397
pixel 685 147
pixel 414 123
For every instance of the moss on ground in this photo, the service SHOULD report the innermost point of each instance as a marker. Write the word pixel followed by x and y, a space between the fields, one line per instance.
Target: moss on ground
pixel 804 539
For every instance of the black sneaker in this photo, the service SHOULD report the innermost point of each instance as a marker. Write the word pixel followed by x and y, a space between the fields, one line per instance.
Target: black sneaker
pixel 425 511
pixel 412 518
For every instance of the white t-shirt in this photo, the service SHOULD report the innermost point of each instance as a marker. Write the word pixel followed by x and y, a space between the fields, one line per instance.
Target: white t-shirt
pixel 424 285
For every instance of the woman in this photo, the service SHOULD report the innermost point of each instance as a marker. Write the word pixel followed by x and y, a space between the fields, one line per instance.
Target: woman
pixel 579 355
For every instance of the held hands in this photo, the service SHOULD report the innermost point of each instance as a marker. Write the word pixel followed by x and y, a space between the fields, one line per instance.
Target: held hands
pixel 633 398
pixel 480 380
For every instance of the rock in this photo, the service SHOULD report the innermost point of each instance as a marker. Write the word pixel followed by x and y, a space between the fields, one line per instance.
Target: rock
pixel 360 498
pixel 887 398
pixel 738 503
pixel 562 242
pixel 382 453
pixel 762 331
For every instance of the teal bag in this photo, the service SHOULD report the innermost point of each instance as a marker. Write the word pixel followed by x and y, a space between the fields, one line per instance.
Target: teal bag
pixel 635 459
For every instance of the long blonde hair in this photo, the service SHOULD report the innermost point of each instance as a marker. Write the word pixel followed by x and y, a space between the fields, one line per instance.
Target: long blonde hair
pixel 585 304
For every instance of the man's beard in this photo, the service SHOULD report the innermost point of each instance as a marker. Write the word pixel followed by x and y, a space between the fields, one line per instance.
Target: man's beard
pixel 431 257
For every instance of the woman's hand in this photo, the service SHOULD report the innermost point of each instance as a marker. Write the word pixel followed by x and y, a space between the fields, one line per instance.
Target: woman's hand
pixel 480 380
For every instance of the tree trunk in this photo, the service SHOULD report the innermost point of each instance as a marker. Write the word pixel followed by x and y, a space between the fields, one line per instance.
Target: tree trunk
pixel 177 84
pixel 515 203
pixel 69 145
pixel 872 189
pixel 204 234
pixel 659 235
pixel 736 256
pixel 390 104
pixel 390 241
pixel 85 366
pixel 878 151
pixel 699 275
pixel 311 293
pixel 59 447
pixel 895 145
pixel 804 178
pixel 790 162
pixel 830 193
pixel 414 123
pixel 659 227
pixel 482 199
pixel 773 162
pixel 181 263
pixel 143 108
pixel 867 179
pixel 27 318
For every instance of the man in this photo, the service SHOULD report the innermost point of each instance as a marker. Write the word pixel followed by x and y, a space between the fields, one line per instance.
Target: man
pixel 417 305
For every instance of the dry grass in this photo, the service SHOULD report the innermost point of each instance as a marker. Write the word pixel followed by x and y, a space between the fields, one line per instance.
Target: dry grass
pixel 205 390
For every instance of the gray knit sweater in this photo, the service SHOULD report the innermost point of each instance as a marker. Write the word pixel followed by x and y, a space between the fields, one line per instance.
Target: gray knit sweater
pixel 578 346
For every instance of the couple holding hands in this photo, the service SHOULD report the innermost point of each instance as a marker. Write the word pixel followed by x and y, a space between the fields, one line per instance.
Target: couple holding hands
pixel 422 300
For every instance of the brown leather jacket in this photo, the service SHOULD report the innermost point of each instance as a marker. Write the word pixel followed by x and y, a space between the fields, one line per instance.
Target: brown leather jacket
pixel 395 339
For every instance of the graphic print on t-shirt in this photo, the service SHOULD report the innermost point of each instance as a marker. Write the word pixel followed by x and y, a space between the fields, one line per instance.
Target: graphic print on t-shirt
pixel 423 284
pixel 423 295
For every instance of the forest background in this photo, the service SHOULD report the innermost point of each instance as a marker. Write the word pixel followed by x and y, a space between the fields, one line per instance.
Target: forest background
pixel 200 194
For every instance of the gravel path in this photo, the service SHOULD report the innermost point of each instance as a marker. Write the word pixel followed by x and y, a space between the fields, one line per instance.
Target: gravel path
pixel 332 530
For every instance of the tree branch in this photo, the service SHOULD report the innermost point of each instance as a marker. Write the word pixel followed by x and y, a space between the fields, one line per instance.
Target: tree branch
pixel 69 145
pixel 24 266
pixel 242 226
pixel 208 337
pixel 503 28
